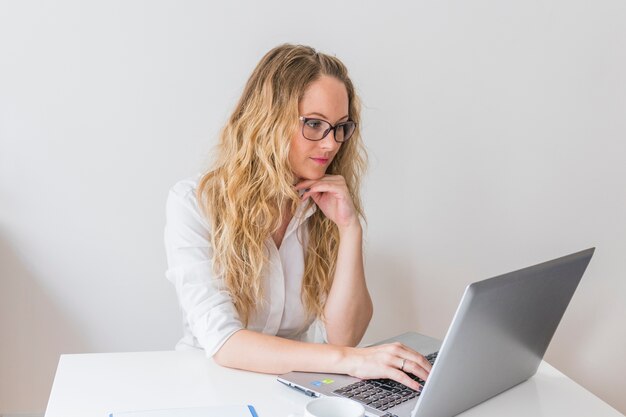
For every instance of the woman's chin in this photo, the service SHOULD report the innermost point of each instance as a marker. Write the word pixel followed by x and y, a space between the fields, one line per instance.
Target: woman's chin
pixel 314 176
pixel 310 175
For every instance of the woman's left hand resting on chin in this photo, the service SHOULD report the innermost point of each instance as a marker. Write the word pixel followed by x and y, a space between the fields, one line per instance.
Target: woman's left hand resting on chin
pixel 331 195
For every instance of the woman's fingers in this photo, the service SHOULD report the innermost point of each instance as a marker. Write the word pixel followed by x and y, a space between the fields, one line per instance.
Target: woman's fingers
pixel 337 180
pixel 405 352
pixel 415 369
pixel 336 186
pixel 401 377
pixel 419 360
pixel 406 360
pixel 327 178
pixel 320 188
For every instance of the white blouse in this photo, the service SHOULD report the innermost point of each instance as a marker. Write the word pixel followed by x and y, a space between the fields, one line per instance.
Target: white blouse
pixel 209 315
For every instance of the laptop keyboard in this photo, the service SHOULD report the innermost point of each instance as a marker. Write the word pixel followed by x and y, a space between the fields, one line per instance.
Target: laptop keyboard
pixel 382 394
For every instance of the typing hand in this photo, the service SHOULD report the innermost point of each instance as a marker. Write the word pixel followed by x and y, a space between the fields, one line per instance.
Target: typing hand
pixel 393 361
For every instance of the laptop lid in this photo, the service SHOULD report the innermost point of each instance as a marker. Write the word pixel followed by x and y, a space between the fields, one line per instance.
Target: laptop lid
pixel 499 334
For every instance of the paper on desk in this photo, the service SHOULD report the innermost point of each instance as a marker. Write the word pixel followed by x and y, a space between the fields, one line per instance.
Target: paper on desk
pixel 213 411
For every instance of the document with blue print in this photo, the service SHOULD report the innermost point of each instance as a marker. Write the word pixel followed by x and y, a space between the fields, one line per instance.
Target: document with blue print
pixel 212 411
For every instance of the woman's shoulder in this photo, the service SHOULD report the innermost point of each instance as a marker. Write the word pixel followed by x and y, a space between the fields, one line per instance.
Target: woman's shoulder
pixel 182 201
pixel 186 188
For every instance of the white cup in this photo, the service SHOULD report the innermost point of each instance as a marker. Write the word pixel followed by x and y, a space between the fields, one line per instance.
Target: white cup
pixel 333 407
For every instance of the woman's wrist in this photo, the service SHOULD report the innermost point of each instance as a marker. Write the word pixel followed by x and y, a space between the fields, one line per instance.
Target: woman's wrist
pixel 352 229
pixel 346 364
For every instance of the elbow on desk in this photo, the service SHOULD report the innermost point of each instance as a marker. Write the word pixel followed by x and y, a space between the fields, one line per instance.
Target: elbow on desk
pixel 226 360
pixel 223 357
pixel 233 350
pixel 220 360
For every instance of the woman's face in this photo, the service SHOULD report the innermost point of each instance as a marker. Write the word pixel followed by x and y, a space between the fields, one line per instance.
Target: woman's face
pixel 325 99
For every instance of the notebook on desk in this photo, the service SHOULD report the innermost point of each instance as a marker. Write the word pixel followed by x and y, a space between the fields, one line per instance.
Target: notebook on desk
pixel 497 339
pixel 217 410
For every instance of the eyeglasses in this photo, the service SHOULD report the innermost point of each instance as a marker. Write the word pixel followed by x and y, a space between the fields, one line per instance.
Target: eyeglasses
pixel 318 129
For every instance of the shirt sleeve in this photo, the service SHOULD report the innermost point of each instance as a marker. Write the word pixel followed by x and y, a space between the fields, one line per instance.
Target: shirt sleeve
pixel 206 305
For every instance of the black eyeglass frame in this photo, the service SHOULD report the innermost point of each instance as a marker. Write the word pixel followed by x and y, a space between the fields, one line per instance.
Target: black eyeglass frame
pixel 332 128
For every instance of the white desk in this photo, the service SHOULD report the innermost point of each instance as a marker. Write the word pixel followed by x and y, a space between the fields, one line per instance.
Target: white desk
pixel 93 385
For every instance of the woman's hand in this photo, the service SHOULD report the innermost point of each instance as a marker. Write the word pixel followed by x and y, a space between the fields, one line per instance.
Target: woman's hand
pixel 331 195
pixel 391 361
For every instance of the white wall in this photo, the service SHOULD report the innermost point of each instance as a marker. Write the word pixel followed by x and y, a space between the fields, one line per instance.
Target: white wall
pixel 495 129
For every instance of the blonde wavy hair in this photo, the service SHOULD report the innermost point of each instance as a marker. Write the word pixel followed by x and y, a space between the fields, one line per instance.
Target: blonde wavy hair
pixel 250 185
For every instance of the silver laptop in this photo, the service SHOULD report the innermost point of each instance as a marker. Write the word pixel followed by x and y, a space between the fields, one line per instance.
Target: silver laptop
pixel 497 339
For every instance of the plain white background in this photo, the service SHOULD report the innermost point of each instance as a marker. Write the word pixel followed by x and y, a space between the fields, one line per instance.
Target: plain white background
pixel 495 132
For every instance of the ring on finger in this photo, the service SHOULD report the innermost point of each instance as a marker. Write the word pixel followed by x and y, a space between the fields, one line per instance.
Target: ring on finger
pixel 402 366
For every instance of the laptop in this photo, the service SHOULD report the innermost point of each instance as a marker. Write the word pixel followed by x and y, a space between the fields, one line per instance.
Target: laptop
pixel 497 339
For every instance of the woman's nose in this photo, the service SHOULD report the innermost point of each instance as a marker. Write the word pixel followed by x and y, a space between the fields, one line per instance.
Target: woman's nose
pixel 329 141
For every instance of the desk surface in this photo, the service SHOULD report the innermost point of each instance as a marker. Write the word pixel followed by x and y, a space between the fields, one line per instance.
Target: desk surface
pixel 93 385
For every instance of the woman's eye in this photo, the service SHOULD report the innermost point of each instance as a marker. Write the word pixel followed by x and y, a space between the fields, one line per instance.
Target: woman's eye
pixel 314 124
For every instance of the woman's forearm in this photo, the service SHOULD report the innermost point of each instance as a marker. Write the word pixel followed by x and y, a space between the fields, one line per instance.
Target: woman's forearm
pixel 259 352
pixel 348 308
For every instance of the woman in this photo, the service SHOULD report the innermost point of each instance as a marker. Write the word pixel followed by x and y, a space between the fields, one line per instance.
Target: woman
pixel 265 249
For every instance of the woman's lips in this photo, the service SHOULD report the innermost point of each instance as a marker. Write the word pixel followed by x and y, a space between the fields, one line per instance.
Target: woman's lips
pixel 321 161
